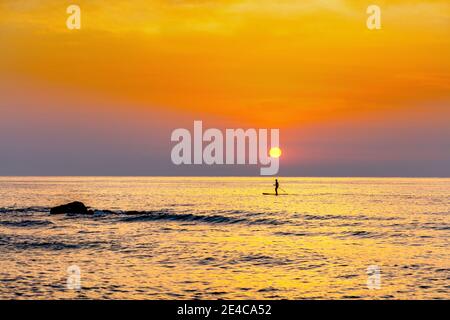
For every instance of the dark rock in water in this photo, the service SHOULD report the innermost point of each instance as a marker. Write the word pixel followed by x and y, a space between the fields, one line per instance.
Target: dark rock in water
pixel 73 207
pixel 134 212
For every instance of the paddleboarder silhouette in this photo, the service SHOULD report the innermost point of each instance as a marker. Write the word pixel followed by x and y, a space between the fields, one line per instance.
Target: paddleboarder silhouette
pixel 276 186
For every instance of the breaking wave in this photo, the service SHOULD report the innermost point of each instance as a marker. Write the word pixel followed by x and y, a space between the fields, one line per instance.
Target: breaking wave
pixel 141 216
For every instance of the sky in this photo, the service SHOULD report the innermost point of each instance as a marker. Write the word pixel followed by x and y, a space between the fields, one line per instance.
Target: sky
pixel 103 100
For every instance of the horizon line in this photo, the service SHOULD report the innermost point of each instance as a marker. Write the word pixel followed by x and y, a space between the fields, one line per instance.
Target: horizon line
pixel 223 176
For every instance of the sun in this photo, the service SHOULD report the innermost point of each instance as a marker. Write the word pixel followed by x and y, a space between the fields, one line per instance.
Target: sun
pixel 275 152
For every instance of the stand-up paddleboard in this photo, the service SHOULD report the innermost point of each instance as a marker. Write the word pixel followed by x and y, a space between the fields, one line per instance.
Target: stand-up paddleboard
pixel 274 194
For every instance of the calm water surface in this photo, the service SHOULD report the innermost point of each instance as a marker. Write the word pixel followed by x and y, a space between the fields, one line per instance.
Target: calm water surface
pixel 210 238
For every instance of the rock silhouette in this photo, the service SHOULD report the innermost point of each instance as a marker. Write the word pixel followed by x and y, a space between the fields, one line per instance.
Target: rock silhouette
pixel 75 207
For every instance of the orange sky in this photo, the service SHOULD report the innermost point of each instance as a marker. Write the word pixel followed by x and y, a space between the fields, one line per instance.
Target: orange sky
pixel 259 63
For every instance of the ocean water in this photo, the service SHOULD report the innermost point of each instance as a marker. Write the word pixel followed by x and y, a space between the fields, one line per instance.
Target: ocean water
pixel 220 238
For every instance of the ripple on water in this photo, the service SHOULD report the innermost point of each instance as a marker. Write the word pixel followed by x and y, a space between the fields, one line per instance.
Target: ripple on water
pixel 26 223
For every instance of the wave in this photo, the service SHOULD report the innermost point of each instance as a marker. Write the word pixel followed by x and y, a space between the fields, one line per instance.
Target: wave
pixel 24 210
pixel 56 245
pixel 360 234
pixel 434 226
pixel 343 217
pixel 287 233
pixel 26 223
pixel 18 242
pixel 141 216
pixel 188 217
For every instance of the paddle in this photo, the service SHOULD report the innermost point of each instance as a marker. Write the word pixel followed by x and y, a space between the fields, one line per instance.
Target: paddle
pixel 282 190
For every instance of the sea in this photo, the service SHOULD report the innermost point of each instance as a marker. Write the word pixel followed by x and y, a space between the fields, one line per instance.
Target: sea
pixel 221 238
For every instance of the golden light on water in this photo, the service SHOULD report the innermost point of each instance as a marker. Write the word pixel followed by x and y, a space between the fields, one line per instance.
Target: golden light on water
pixel 227 241
pixel 275 152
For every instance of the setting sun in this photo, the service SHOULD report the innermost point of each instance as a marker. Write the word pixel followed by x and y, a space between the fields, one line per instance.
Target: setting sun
pixel 275 152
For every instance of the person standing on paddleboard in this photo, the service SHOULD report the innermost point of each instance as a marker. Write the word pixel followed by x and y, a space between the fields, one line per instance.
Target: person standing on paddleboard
pixel 276 186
